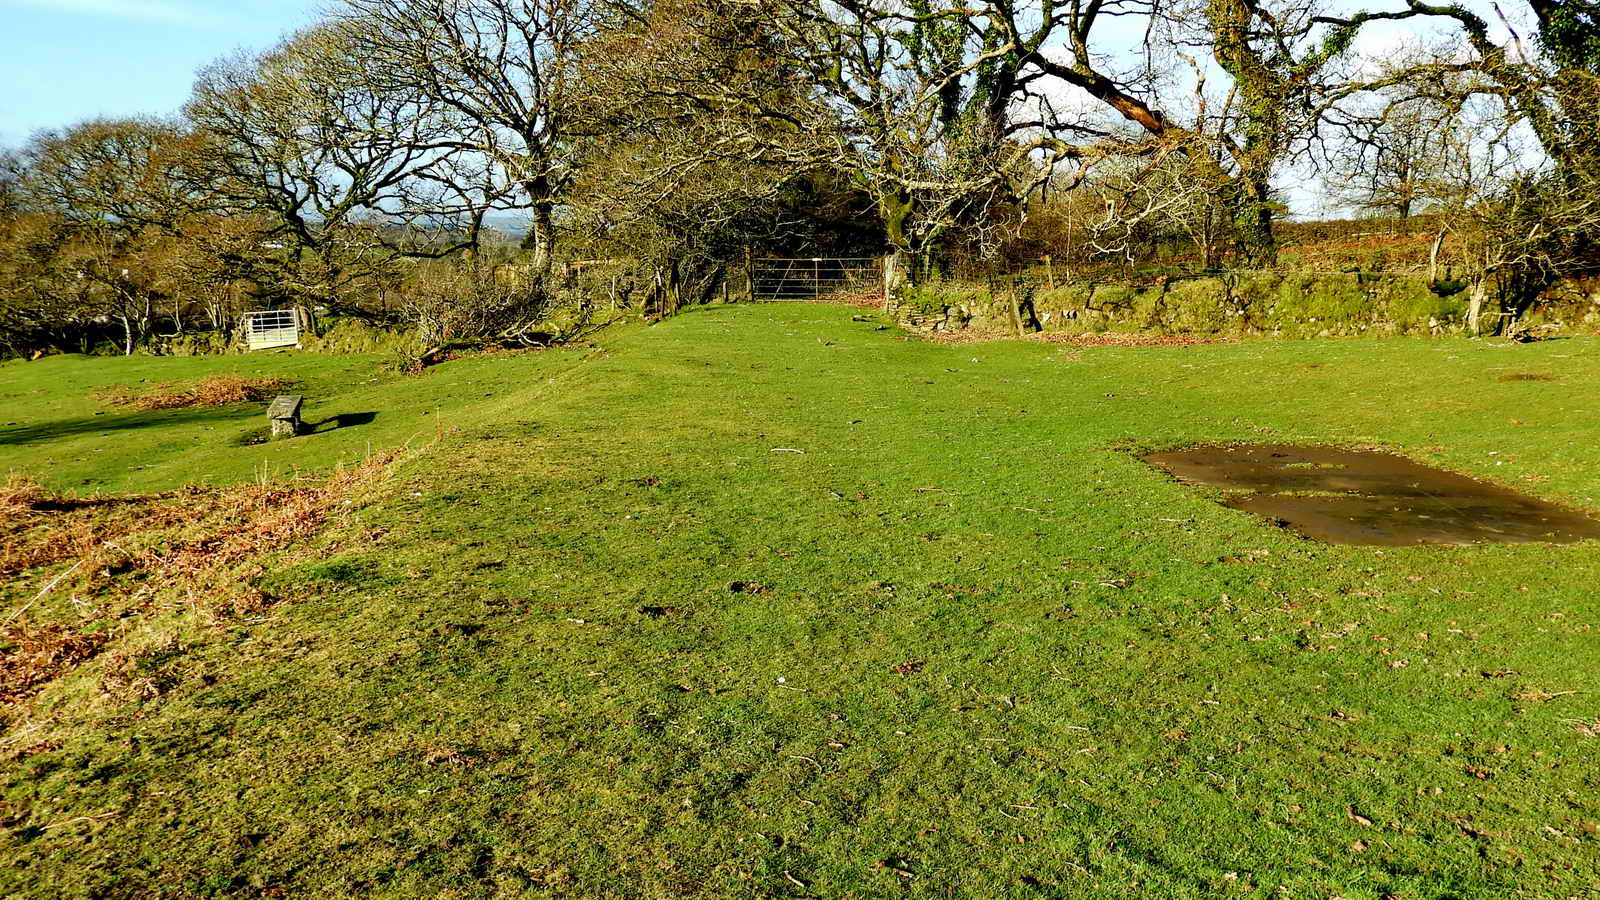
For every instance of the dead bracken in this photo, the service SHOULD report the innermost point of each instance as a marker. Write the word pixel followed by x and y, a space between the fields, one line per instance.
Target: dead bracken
pixel 114 554
pixel 32 655
pixel 1080 339
pixel 213 390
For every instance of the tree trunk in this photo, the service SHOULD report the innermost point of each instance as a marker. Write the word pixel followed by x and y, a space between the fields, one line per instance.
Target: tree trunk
pixel 1520 290
pixel 1013 310
pixel 541 236
pixel 1475 307
pixel 894 280
pixel 896 208
pixel 905 268
pixel 1255 242
pixel 669 289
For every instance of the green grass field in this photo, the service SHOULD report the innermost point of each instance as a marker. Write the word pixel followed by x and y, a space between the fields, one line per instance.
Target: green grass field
pixel 602 634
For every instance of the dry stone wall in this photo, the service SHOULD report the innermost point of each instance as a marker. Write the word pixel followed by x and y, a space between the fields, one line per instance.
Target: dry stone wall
pixel 1252 303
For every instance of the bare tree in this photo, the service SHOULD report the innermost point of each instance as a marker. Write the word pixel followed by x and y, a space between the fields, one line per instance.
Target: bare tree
pixel 40 302
pixel 692 131
pixel 115 189
pixel 502 67
pixel 1396 157
pixel 1550 84
pixel 1534 222
pixel 929 108
pixel 118 174
pixel 1520 232
pixel 11 173
pixel 344 173
pixel 467 301
pixel 1131 207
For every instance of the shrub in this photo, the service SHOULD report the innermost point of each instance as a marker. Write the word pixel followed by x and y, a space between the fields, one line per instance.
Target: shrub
pixel 460 303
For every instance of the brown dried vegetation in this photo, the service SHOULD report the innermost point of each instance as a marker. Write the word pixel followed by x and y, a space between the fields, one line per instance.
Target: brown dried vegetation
pixel 126 551
pixel 141 674
pixel 1115 339
pixel 213 390
pixel 1078 339
pixel 32 655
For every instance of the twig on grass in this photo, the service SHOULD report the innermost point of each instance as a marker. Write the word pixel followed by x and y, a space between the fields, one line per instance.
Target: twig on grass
pixel 809 760
pixel 79 819
pixel 785 450
pixel 45 590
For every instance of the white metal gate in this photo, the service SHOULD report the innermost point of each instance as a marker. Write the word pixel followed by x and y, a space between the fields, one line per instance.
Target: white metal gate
pixel 816 278
pixel 270 328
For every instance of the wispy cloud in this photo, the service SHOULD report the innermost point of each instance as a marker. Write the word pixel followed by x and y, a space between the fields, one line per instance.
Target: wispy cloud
pixel 167 12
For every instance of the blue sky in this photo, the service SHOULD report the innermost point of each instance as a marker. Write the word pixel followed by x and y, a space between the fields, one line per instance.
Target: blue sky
pixel 63 61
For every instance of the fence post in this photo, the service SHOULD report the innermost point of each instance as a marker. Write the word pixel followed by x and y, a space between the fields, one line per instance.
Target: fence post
pixel 750 274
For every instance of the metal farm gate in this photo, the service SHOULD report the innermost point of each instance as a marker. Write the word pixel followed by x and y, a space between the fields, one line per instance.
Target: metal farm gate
pixel 271 328
pixel 817 278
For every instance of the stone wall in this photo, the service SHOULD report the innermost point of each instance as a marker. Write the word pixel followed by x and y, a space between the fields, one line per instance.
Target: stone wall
pixel 1260 303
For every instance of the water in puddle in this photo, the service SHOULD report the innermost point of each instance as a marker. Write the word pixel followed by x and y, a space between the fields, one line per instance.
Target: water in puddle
pixel 1367 497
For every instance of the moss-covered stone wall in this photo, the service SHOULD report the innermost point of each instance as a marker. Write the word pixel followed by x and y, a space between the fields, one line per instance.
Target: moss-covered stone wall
pixel 1263 303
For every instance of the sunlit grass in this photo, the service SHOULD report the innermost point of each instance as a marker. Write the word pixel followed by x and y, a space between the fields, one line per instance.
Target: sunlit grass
pixel 764 602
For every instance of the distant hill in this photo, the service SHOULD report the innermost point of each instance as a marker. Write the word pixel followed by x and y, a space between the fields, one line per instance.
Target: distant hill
pixel 510 224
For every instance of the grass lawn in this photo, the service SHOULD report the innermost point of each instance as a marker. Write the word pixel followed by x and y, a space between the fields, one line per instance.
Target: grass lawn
pixel 55 427
pixel 601 633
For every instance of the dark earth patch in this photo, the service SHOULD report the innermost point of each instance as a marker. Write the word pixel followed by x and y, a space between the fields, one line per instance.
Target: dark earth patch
pixel 1368 497
pixel 1525 376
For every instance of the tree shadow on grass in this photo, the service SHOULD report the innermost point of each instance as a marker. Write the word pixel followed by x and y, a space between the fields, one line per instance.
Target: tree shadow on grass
pixel 342 420
pixel 65 428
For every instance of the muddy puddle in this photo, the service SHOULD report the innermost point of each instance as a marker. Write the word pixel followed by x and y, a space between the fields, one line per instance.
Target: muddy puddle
pixel 1367 497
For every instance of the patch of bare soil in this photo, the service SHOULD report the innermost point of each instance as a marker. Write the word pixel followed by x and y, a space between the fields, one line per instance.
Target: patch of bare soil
pixel 213 390
pixel 1369 497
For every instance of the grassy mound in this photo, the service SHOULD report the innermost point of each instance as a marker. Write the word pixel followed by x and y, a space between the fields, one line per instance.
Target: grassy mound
pixel 761 601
